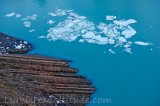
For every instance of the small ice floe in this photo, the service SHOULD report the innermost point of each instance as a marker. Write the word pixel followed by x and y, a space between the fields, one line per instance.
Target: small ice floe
pixel 58 12
pixel 50 22
pixel 52 14
pixel 124 22
pixel 128 50
pixel 143 43
pixel 128 44
pixel 110 18
pixel 42 37
pixel 18 15
pixel 27 23
pixel 10 14
pixel 32 30
pixel 32 17
pixel 81 40
pixel 121 40
pixel 111 51
pixel 90 37
pixel 128 32
pixel 111 41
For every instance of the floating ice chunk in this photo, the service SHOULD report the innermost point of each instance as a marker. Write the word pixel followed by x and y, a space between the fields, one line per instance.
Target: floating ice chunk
pixel 81 40
pixel 42 37
pixel 33 17
pixel 70 29
pixel 111 41
pixel 72 14
pixel 32 30
pixel 109 30
pixel 90 37
pixel 52 14
pixel 143 43
pixel 124 22
pixel 128 32
pixel 121 39
pixel 128 44
pixel 50 22
pixel 111 51
pixel 10 14
pixel 128 50
pixel 58 12
pixel 18 15
pixel 110 17
pixel 27 23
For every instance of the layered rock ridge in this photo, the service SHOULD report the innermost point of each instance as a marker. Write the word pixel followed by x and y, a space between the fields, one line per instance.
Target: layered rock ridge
pixel 35 80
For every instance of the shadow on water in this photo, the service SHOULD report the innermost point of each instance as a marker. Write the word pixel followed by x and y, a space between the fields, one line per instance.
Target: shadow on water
pixel 41 2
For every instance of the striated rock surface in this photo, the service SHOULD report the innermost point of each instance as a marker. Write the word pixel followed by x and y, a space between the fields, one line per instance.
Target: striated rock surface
pixel 29 80
pixel 10 45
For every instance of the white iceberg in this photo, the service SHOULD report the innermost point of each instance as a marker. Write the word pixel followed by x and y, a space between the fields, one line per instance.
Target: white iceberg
pixel 32 17
pixel 124 22
pixel 143 43
pixel 110 18
pixel 32 30
pixel 128 50
pixel 58 12
pixel 50 22
pixel 111 51
pixel 51 14
pixel 128 32
pixel 18 15
pixel 90 37
pixel 121 39
pixel 10 14
pixel 27 23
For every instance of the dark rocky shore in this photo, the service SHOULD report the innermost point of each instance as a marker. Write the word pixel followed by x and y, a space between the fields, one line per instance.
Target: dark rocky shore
pixel 30 80
pixel 10 44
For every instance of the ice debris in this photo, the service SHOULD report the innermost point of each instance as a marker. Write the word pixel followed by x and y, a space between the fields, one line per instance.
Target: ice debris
pixel 110 17
pixel 143 43
pixel 10 14
pixel 50 22
pixel 27 23
pixel 111 51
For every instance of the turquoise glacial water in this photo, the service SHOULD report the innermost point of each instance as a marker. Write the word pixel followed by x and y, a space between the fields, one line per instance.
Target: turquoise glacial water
pixel 125 79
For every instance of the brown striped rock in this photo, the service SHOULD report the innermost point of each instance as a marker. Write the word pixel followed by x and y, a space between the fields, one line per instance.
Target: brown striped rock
pixel 28 80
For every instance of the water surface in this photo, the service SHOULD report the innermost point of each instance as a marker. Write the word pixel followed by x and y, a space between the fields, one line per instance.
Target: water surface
pixel 126 79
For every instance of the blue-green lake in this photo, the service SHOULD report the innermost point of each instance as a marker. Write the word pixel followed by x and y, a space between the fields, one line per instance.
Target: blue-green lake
pixel 127 79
